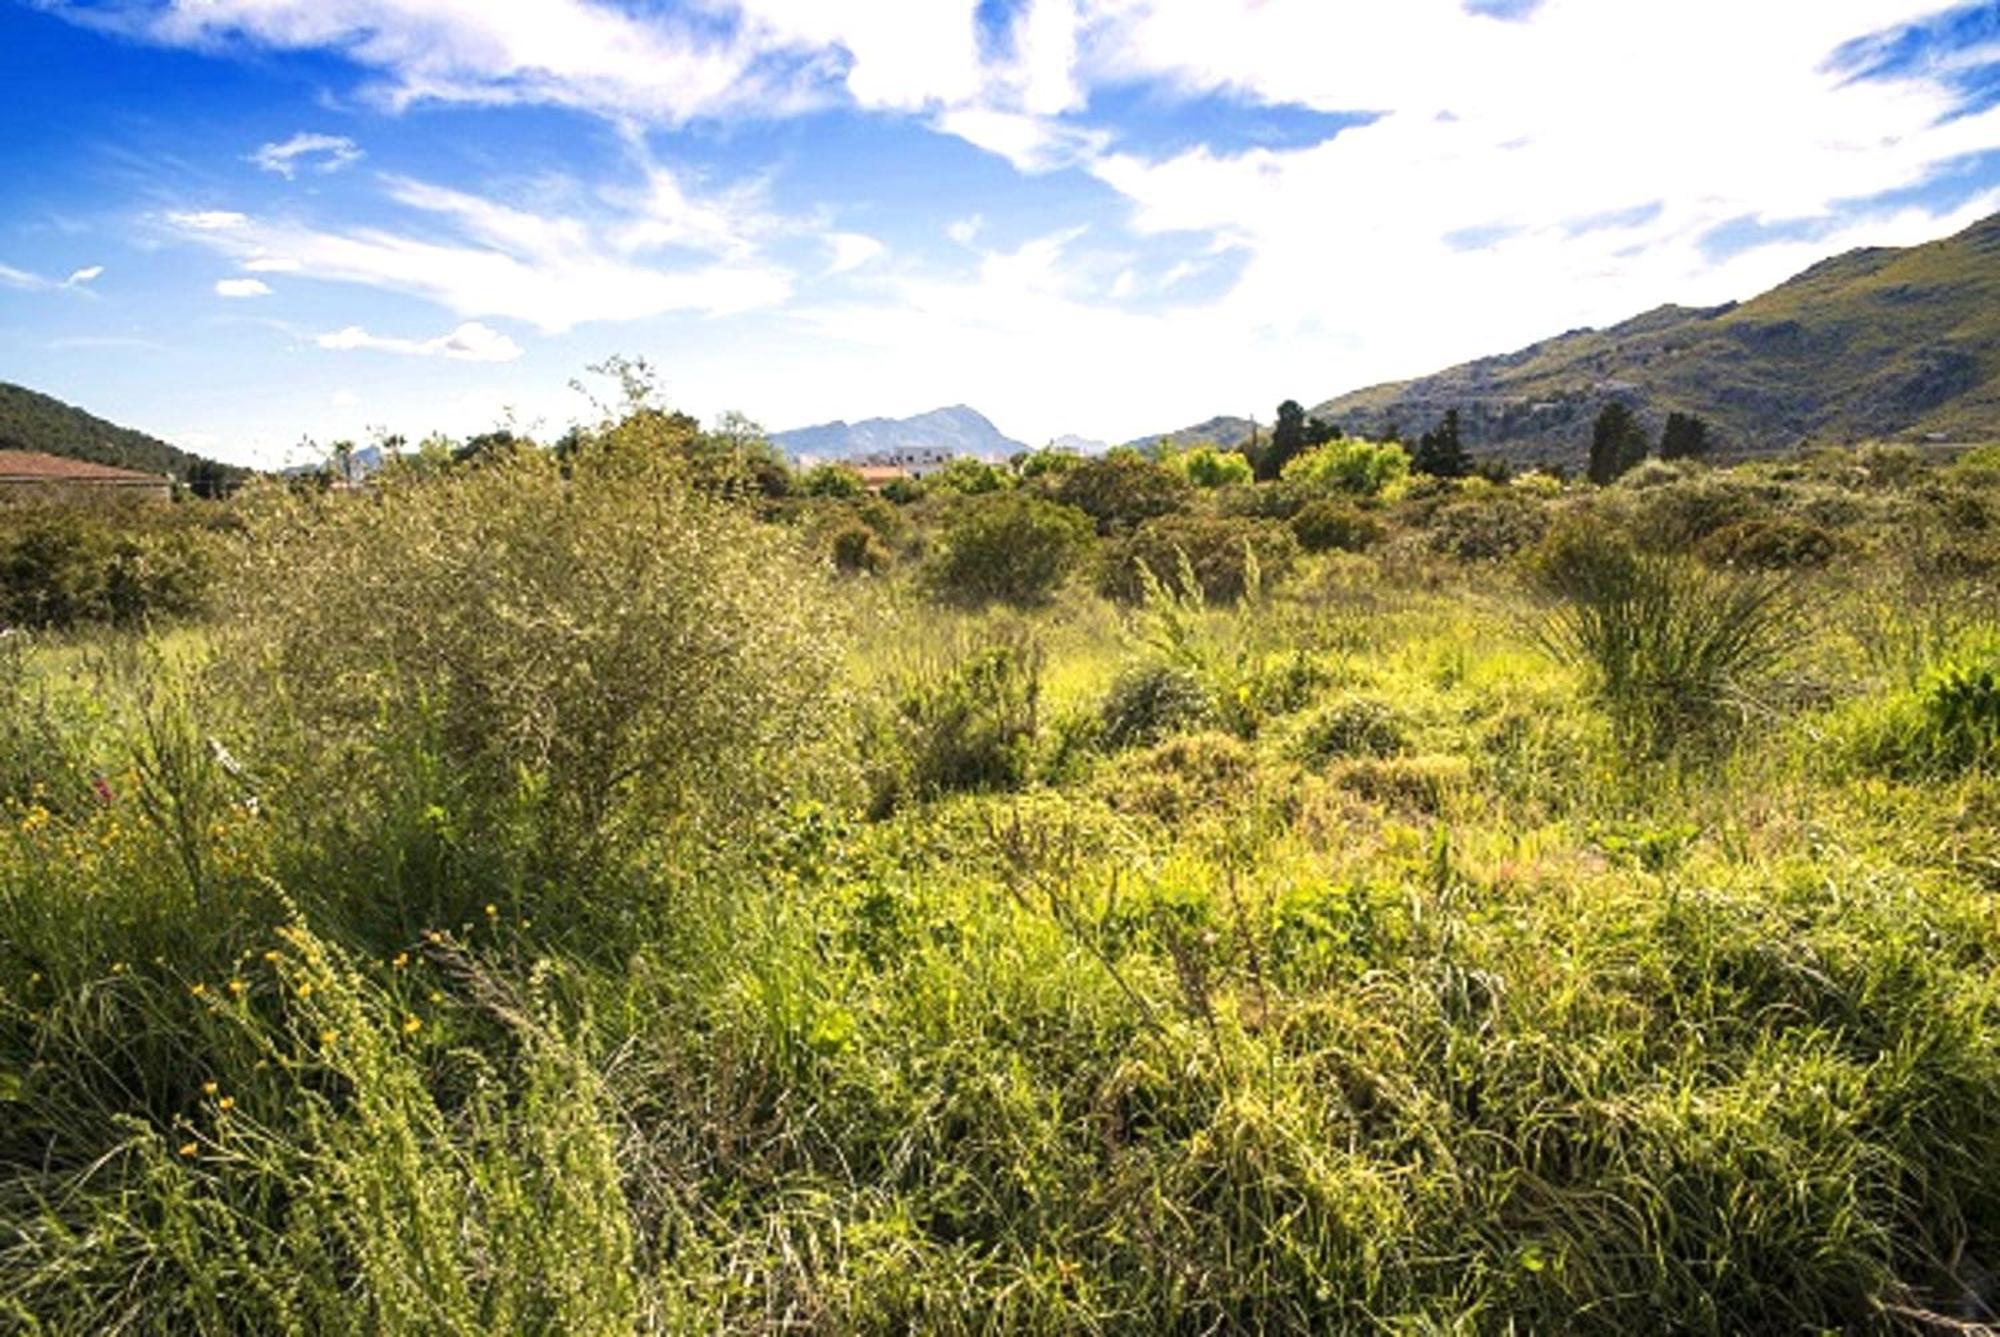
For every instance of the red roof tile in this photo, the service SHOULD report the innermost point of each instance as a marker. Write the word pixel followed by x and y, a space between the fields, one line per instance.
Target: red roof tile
pixel 32 466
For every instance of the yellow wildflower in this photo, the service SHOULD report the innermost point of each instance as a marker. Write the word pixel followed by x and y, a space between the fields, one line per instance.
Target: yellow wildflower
pixel 226 1104
pixel 189 1149
pixel 402 959
pixel 208 1088
pixel 411 1025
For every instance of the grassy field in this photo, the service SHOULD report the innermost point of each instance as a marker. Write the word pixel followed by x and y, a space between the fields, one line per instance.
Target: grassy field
pixel 560 901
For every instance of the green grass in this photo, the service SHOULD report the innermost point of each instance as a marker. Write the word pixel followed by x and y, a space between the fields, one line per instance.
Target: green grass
pixel 1403 992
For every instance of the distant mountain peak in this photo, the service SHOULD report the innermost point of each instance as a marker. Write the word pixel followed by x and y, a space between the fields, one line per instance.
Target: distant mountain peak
pixel 957 428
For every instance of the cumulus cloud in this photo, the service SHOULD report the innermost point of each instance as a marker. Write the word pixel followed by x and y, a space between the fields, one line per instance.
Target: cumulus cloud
pixel 319 153
pixel 470 342
pixel 851 250
pixel 242 288
pixel 1594 150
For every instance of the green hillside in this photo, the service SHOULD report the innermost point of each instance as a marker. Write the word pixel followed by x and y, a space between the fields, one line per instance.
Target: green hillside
pixel 1877 343
pixel 30 420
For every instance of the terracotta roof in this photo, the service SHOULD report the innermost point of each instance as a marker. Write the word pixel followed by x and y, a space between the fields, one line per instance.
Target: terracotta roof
pixel 32 466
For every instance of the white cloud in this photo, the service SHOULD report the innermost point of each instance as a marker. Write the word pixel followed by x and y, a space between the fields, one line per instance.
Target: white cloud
pixel 209 220
pixel 29 281
pixel 470 342
pixel 552 271
pixel 851 250
pixel 242 288
pixel 319 153
pixel 344 399
pixel 965 231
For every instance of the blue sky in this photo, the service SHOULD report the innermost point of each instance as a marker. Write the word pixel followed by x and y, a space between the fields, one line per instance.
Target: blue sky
pixel 242 224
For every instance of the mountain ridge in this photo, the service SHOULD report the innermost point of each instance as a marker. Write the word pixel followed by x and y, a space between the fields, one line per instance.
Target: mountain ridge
pixel 959 428
pixel 32 420
pixel 1878 342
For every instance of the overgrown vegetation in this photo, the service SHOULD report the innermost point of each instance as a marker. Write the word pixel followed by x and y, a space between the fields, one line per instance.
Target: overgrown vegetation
pixel 633 888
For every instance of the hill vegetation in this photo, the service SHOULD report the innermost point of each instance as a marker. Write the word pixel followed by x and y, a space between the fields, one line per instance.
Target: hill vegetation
pixel 30 420
pixel 1876 344
pixel 621 888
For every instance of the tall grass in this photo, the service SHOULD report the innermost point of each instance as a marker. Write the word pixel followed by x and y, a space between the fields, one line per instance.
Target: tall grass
pixel 1378 992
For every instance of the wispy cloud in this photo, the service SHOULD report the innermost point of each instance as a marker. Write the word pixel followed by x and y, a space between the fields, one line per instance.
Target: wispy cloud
pixel 315 152
pixel 470 342
pixel 553 271
pixel 29 281
pixel 242 288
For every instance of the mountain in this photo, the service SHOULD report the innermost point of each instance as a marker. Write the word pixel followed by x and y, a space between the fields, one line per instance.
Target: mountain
pixel 1222 431
pixel 1079 445
pixel 1877 343
pixel 959 429
pixel 30 420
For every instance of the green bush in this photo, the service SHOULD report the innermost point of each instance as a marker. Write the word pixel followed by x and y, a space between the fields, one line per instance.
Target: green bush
pixel 859 550
pixel 969 477
pixel 1151 701
pixel 1352 726
pixel 1946 722
pixel 1351 466
pixel 1222 551
pixel 1011 549
pixel 1769 545
pixel 1122 490
pixel 496 645
pixel 1487 527
pixel 967 725
pixel 831 480
pixel 1329 526
pixel 1210 466
pixel 1673 649
pixel 62 566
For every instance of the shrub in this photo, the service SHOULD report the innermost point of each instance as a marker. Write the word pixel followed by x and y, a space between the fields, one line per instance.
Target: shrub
pixel 1210 466
pixel 1423 784
pixel 832 480
pixel 1679 515
pixel 1184 777
pixel 1328 525
pixel 1222 551
pixel 1353 466
pixel 859 550
pixel 969 477
pixel 1354 726
pixel 65 565
pixel 1012 549
pixel 1671 647
pixel 1769 545
pixel 1945 722
pixel 1122 490
pixel 1149 701
pixel 966 725
pixel 495 644
pixel 1487 527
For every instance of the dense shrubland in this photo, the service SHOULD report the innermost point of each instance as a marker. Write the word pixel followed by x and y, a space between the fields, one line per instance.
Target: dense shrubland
pixel 633 887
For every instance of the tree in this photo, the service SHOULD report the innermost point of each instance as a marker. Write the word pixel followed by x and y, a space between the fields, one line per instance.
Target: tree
pixel 1439 451
pixel 1685 437
pixel 1617 443
pixel 1288 438
pixel 1122 489
pixel 1319 431
pixel 1010 548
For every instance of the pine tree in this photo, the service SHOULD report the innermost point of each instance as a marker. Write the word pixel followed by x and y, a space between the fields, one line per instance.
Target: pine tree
pixel 1617 443
pixel 1440 452
pixel 1288 438
pixel 1685 437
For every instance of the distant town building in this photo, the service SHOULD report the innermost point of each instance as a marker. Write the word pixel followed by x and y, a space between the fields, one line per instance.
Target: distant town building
pixel 914 461
pixel 30 475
